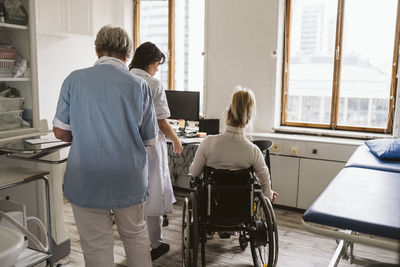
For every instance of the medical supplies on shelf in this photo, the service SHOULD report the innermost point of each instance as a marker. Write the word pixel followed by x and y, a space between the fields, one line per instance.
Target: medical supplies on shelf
pixel 11 103
pixel 11 119
pixel 12 64
pixel 8 53
pixel 11 107
pixel 6 67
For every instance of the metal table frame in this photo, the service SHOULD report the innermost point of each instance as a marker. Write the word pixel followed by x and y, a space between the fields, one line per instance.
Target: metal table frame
pixel 31 257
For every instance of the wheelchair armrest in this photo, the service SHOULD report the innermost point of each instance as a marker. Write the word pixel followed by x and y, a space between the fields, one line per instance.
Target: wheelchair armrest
pixel 256 184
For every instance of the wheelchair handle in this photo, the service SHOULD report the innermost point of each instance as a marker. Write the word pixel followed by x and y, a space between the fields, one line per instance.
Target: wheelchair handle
pixel 194 181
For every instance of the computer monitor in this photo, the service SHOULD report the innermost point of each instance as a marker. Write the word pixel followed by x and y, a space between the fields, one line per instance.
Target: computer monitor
pixel 183 104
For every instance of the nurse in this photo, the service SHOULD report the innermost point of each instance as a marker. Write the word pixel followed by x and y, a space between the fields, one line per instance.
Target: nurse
pixel 145 64
pixel 108 115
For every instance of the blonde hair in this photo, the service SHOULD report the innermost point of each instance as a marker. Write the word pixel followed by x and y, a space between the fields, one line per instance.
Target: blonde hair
pixel 241 108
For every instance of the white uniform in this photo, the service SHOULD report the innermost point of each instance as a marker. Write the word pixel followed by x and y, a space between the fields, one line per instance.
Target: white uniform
pixel 161 195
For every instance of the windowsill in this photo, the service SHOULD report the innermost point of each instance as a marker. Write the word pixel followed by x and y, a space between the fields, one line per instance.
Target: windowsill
pixel 329 133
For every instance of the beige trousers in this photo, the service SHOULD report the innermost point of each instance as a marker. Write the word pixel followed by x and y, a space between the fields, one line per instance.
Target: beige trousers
pixel 97 236
pixel 154 224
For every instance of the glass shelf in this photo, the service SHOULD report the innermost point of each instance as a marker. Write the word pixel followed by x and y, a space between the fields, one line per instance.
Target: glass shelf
pixel 14 26
pixel 15 79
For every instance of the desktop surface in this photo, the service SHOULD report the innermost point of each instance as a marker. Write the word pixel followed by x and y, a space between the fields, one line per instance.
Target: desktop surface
pixel 191 140
pixel 186 140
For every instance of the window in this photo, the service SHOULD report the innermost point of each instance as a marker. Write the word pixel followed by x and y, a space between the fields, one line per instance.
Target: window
pixel 177 28
pixel 153 21
pixel 340 64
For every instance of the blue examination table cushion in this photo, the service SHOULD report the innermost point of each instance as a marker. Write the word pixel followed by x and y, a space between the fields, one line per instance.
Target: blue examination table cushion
pixel 361 200
pixel 385 148
pixel 363 158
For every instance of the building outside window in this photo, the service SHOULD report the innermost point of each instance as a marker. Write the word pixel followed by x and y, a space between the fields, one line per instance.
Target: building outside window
pixel 340 64
pixel 177 28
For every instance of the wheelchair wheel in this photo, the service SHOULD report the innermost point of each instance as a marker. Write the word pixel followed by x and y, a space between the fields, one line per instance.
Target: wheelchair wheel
pixel 263 238
pixel 190 232
pixel 243 243
pixel 275 231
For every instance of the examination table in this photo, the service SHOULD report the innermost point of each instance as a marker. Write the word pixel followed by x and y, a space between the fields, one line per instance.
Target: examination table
pixel 363 198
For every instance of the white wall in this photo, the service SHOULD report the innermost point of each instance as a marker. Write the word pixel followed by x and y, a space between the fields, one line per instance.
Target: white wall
pixel 241 37
pixel 58 56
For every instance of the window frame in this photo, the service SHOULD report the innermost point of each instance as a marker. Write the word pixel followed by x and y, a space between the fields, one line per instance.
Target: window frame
pixel 171 37
pixel 333 125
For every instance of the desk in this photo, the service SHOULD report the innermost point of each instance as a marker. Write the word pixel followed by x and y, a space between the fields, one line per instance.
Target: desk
pixel 179 164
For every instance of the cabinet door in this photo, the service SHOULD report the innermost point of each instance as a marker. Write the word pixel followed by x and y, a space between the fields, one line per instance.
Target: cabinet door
pixel 314 177
pixel 284 177
pixel 78 16
pixel 50 16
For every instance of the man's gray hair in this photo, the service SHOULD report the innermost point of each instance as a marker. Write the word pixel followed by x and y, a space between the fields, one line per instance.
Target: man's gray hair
pixel 113 41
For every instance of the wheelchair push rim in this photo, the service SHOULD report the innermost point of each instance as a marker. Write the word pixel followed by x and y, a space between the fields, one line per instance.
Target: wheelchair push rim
pixel 190 231
pixel 263 243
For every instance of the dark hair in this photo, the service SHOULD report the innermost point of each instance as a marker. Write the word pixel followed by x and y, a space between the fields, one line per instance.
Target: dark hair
pixel 146 54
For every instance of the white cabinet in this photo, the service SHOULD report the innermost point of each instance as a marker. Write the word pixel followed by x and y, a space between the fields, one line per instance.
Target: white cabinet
pixel 299 181
pixel 50 16
pixel 17 120
pixel 23 40
pixel 60 17
pixel 329 151
pixel 78 16
pixel 314 177
pixel 303 166
pixel 284 178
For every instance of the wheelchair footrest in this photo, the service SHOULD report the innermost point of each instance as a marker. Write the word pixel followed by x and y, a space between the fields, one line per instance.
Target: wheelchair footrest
pixel 225 235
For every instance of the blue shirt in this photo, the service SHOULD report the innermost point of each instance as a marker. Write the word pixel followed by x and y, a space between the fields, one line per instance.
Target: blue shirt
pixel 111 116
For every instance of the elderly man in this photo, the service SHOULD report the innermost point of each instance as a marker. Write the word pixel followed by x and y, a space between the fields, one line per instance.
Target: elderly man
pixel 108 115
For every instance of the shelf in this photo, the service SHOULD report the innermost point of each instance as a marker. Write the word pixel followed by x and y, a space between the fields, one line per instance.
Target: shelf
pixel 13 175
pixel 15 79
pixel 30 257
pixel 14 26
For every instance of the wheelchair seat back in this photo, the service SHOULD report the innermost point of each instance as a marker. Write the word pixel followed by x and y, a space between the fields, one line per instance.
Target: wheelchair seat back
pixel 227 196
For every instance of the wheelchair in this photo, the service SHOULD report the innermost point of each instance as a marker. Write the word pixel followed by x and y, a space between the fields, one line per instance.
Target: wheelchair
pixel 226 201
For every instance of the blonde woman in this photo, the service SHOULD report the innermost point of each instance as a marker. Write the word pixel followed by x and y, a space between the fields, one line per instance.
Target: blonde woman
pixel 231 149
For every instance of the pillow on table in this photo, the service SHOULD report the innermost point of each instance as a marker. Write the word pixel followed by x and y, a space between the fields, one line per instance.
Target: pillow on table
pixel 385 148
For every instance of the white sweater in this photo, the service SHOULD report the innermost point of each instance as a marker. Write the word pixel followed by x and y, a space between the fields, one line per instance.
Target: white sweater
pixel 231 150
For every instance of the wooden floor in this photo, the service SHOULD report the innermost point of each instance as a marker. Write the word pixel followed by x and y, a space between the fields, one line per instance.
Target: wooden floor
pixel 297 247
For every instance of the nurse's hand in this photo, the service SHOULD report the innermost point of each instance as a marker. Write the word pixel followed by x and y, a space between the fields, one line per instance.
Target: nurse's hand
pixel 274 196
pixel 63 135
pixel 177 147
